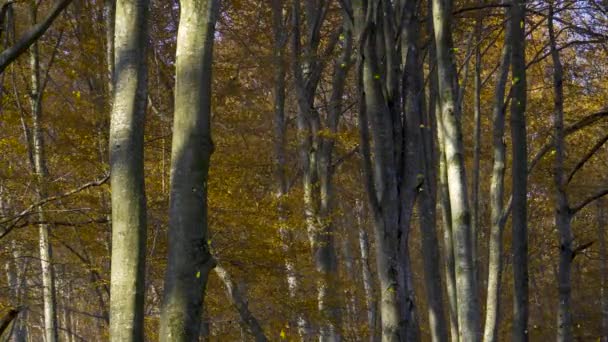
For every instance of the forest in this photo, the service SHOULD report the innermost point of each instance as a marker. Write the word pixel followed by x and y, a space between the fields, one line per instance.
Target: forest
pixel 299 170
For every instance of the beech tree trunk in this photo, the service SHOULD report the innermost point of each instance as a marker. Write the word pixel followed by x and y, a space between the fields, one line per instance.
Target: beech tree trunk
pixel 519 173
pixel 562 207
pixel 450 125
pixel 190 260
pixel 128 197
pixel 280 128
pixel 41 172
pixel 495 248
pixel 602 223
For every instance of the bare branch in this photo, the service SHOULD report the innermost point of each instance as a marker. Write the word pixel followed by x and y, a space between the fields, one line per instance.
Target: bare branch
pixel 9 55
pixel 597 195
pixel 587 156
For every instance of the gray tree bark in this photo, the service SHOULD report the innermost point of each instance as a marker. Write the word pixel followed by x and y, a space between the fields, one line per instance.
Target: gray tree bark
pixel 128 196
pixel 450 125
pixel 190 260
pixel 442 189
pixel 41 172
pixel 602 223
pixel 249 322
pixel 366 275
pixel 519 173
pixel 495 248
pixel 562 207
pixel 316 151
pixel 280 127
pixel 421 147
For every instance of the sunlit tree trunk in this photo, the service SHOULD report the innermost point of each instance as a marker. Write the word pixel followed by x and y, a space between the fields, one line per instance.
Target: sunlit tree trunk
pixel 128 197
pixel 495 249
pixel 475 214
pixel 443 192
pixel 450 124
pixel 190 260
pixel 41 172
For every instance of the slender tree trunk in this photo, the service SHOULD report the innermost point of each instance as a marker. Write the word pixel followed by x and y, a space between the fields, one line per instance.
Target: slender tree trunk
pixel 519 173
pixel 562 208
pixel 190 261
pixel 602 223
pixel 127 172
pixel 280 127
pixel 444 195
pixel 475 229
pixel 468 303
pixel 497 196
pixel 417 129
pixel 249 322
pixel 366 275
pixel 40 169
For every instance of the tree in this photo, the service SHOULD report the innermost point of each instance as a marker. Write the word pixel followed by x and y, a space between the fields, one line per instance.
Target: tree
pixel 129 228
pixel 451 130
pixel 190 260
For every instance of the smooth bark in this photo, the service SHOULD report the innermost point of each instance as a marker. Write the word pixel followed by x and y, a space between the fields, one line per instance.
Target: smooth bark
pixel 602 224
pixel 497 183
pixel 128 196
pixel 467 298
pixel 38 152
pixel 562 208
pixel 189 260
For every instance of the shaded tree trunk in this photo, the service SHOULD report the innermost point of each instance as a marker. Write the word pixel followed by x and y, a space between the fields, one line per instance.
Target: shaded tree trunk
pixel 128 196
pixel 562 208
pixel 519 173
pixel 602 223
pixel 280 127
pixel 190 261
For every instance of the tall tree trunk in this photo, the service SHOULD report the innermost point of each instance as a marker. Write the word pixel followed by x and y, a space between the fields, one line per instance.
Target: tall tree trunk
pixel 280 128
pixel 475 229
pixel 418 129
pixel 316 153
pixel 497 195
pixel 519 173
pixel 366 275
pixel 190 261
pixel 468 303
pixel 444 194
pixel 602 223
pixel 127 172
pixel 248 320
pixel 40 169
pixel 562 208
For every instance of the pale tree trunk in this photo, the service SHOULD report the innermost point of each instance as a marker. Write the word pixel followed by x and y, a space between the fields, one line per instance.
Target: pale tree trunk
pixel 249 322
pixel 443 194
pixel 127 172
pixel 602 223
pixel 40 169
pixel 450 124
pixel 380 174
pixel 280 127
pixel 316 152
pixel 475 229
pixel 497 187
pixel 366 274
pixel 562 208
pixel 190 260
pixel 420 149
pixel 519 173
